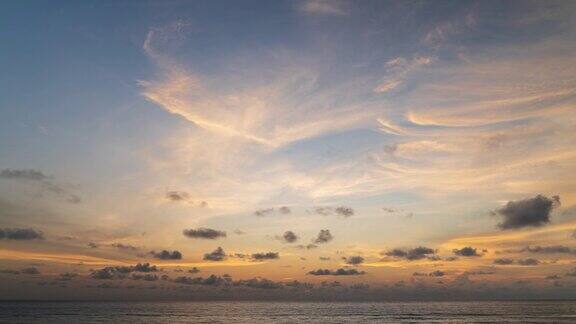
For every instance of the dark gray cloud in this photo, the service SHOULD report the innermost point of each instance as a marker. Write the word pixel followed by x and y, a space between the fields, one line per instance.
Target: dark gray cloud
pixel 177 196
pixel 212 280
pixel 10 271
pixel 354 260
pixel 93 245
pixel 528 262
pixel 467 251
pixel 437 273
pixel 204 233
pixel 30 271
pixel 284 210
pixel 145 277
pixel 194 270
pixel 259 283
pixel 45 182
pixel 166 255
pixel 216 255
pixel 20 234
pixel 341 211
pixel 411 254
pixel 554 249
pixel 503 261
pixel 67 276
pixel 265 256
pixel 344 211
pixel 288 237
pixel 337 272
pixel 324 236
pixel 120 272
pixel 531 212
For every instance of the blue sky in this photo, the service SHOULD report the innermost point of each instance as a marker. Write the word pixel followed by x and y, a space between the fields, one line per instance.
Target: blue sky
pixel 126 122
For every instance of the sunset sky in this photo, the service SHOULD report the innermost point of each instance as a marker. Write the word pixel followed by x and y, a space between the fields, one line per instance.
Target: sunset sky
pixel 287 149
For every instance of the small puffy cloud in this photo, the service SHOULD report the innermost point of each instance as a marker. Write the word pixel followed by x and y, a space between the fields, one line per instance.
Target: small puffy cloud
pixel 194 270
pixel 554 249
pixel 354 260
pixel 531 212
pixel 120 272
pixel 268 211
pixel 265 256
pixel 177 196
pixel 437 273
pixel 528 262
pixel 204 233
pixel 166 255
pixel 264 211
pixel 467 252
pixel 288 237
pixel 337 272
pixel 411 254
pixel 20 234
pixel 324 236
pixel 145 277
pixel 503 261
pixel 342 211
pixel 216 255
pixel 121 246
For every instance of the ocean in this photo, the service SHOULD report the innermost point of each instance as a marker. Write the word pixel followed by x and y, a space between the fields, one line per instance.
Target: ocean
pixel 289 312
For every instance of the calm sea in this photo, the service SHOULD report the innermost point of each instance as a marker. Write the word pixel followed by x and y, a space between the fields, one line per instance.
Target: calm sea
pixel 288 312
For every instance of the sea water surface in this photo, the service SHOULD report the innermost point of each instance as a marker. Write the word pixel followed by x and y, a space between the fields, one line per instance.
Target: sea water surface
pixel 289 312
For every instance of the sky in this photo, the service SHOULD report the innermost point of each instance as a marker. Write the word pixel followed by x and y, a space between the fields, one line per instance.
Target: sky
pixel 301 150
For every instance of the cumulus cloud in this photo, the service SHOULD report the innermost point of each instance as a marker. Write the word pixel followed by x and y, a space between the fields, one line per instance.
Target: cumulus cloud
pixel 354 260
pixel 324 236
pixel 342 211
pixel 204 233
pixel 121 246
pixel 467 252
pixel 45 182
pixel 177 196
pixel 216 255
pixel 268 211
pixel 411 254
pixel 530 212
pixel 337 272
pixel 20 234
pixel 503 261
pixel 120 272
pixel 554 249
pixel 166 255
pixel 288 237
pixel 528 262
pixel 265 256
